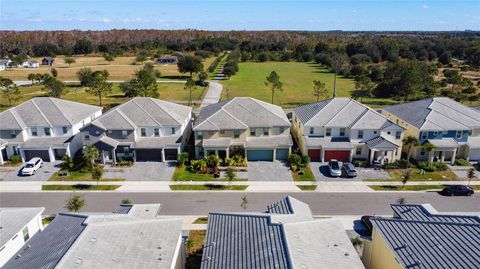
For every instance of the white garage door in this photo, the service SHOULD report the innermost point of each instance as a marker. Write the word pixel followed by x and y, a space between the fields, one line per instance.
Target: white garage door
pixel 475 155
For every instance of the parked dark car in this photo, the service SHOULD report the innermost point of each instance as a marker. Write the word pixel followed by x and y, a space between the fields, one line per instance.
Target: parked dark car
pixel 367 223
pixel 457 190
pixel 349 169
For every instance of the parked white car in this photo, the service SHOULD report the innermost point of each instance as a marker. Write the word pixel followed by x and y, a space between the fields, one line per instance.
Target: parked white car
pixel 32 166
pixel 334 168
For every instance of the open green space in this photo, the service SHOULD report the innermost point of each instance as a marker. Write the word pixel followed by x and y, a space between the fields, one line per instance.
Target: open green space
pixel 307 175
pixel 183 174
pixel 78 176
pixel 307 187
pixel 79 187
pixel 446 175
pixel 208 187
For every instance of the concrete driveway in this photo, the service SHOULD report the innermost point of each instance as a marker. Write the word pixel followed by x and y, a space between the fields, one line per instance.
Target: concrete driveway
pixel 43 174
pixel 269 171
pixel 142 171
pixel 321 172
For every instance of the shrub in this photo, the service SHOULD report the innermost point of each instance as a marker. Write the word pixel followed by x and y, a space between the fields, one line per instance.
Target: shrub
pixel 97 172
pixel 212 161
pixel 121 161
pixel 198 165
pixel 441 166
pixel 16 159
pixel 230 174
pixel 236 161
pixel 67 163
pixel 462 162
pixel 360 162
pixel 305 159
pixel 398 164
pixel 182 158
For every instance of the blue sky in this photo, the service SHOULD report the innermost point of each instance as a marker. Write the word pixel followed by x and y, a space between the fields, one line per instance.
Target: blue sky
pixel 240 15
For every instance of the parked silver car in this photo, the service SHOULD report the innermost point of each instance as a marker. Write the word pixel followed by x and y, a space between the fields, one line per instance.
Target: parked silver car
pixel 349 169
pixel 334 168
pixel 32 166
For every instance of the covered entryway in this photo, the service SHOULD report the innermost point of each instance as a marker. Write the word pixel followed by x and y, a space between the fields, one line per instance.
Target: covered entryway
pixel 260 155
pixel 148 155
pixel 281 154
pixel 59 153
pixel 171 154
pixel 340 155
pixel 314 154
pixel 42 154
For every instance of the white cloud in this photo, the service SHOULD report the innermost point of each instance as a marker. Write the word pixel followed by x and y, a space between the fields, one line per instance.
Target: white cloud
pixel 354 11
pixel 425 6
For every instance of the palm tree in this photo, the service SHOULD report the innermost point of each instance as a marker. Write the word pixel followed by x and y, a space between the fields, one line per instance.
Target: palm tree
pixel 429 148
pixel 91 154
pixel 273 80
pixel 470 175
pixel 411 142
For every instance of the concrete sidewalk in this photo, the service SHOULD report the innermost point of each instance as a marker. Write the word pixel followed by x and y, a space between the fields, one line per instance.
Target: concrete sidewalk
pixel 213 94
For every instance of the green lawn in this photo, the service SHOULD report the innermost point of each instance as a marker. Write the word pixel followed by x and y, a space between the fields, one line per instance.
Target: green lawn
pixel 182 174
pixel 201 220
pixel 208 187
pixel 77 176
pixel 446 175
pixel 307 175
pixel 79 187
pixel 307 187
pixel 406 188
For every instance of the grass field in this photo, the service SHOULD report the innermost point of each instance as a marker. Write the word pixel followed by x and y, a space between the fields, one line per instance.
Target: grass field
pixel 168 91
pixel 77 176
pixel 307 175
pixel 119 69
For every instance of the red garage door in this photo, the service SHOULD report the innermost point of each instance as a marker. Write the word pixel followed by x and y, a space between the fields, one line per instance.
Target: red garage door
pixel 314 155
pixel 341 155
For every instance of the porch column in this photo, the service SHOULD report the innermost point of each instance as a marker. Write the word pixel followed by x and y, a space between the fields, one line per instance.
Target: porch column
pixel 103 156
pixel 382 159
pixel 1 157
pixel 163 155
pixel 467 153
pixel 274 154
pixel 178 150
pixel 442 158
pixel 430 156
pixel 114 157
pixel 454 155
pixel 350 158
pixel 372 153
pixel 227 153
pixel 323 155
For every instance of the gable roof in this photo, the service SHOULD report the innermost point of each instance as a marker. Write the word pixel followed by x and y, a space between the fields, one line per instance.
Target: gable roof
pixel 427 213
pixel 45 111
pixel 13 220
pixel 341 112
pixel 437 114
pixel 240 113
pixel 143 112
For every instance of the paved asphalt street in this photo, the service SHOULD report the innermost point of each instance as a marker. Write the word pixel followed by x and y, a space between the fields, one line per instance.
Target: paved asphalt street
pixel 200 203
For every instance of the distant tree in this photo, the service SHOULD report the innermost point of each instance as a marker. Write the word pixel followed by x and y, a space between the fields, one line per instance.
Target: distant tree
pixel 91 153
pixel 410 142
pixel 273 80
pixel 262 57
pixel 445 58
pixel 190 86
pixel 321 47
pixel 228 71
pixel 75 202
pixel 54 87
pixel 142 56
pixel 319 89
pixel 32 77
pixel 69 60
pixel 471 175
pixel 203 76
pixel 230 174
pixel 363 87
pixel 108 57
pixel 429 148
pixel 99 86
pixel 9 90
pixel 54 72
pixel 190 64
pixel 83 46
pixel 85 76
pixel 144 83
pixel 97 173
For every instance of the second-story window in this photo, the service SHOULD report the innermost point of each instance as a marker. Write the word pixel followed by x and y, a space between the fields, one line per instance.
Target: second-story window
pixel 236 133
pixel 423 135
pixel 34 132
pixel 174 130
pixel 252 131
pixel 265 131
pixel 360 134
pixel 64 129
pixel 156 132
pixel 398 134
pixel 124 133
pixel 328 132
pixel 199 135
pixel 87 136
pixel 459 134
pixel 143 132
pixel 47 131
pixel 281 130
pixel 342 131
pixel 13 134
pixel 312 130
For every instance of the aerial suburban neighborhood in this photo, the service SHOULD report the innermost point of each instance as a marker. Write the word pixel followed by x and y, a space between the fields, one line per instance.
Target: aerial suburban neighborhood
pixel 240 134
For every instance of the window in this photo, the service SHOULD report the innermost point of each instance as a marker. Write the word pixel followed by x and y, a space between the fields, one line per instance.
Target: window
pixel 124 133
pixel 13 134
pixel 252 131
pixel 87 136
pixel 328 132
pixel 374 132
pixel 435 133
pixel 26 235
pixel 281 130
pixel 470 132
pixel 156 132
pixel 174 130
pixel 126 149
pixel 358 151
pixel 422 152
pixel 236 133
pixel 342 131
pixel 47 131
pixel 445 132
pixel 398 134
pixel 199 135
pixel 311 130
pixel 143 132
pixel 34 132
pixel 360 134
pixel 64 129
pixel 222 132
pixel 265 131
pixel 423 135
pixel 459 134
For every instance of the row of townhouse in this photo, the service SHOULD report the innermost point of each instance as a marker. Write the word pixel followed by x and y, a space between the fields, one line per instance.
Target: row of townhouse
pixel 147 129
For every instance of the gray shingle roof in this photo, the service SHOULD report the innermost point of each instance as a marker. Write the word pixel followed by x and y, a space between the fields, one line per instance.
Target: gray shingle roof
pixel 437 114
pixel 123 209
pixel 427 213
pixel 240 113
pixel 143 112
pixel 45 111
pixel 380 142
pixel 269 141
pixel 48 246
pixel 282 206
pixel 13 220
pixel 429 244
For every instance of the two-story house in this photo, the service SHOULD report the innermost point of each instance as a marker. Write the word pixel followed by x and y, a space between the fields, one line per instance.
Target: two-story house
pixel 141 129
pixel 44 127
pixel 243 125
pixel 343 129
pixel 454 129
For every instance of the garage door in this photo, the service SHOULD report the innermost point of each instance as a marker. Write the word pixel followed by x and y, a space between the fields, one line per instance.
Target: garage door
pixel 314 155
pixel 340 155
pixel 281 154
pixel 59 153
pixel 260 155
pixel 148 155
pixel 171 154
pixel 42 154
pixel 475 155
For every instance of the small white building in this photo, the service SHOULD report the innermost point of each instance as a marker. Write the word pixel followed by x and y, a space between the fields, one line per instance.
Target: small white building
pixel 17 226
pixel 30 64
